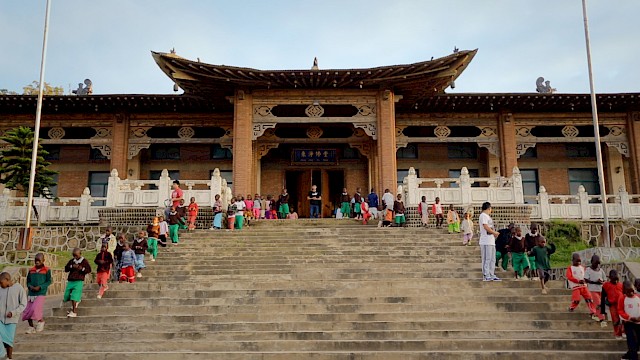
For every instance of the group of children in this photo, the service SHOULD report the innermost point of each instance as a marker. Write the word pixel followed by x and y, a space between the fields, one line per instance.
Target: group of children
pixel 241 211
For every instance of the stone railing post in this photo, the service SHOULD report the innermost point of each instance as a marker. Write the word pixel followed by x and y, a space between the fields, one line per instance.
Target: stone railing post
pixel 227 195
pixel 411 187
pixel 215 185
pixel 85 205
pixel 164 188
pixel 583 199
pixel 465 186
pixel 516 186
pixel 112 189
pixel 543 202
pixel 4 205
pixel 625 202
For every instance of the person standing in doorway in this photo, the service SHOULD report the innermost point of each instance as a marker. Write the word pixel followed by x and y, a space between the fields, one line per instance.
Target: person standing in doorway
pixel 315 200
pixel 345 205
pixel 372 201
pixel 487 243
pixel 283 209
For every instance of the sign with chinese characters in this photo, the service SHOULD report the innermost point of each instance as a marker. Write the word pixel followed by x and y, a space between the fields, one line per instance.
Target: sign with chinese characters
pixel 314 157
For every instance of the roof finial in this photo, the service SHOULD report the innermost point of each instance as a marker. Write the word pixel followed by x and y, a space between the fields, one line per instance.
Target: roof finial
pixel 455 49
pixel 173 50
pixel 315 64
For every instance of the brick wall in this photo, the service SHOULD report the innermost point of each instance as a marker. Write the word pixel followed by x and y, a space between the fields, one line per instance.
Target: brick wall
pixel 72 179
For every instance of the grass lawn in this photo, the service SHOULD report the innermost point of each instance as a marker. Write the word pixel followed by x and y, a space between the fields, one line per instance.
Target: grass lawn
pixel 566 237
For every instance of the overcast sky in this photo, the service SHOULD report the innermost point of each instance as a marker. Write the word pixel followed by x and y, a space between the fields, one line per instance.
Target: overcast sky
pixel 518 40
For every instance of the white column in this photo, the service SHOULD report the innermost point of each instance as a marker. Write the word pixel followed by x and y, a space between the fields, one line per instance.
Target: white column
pixel 516 181
pixel 465 186
pixel 112 189
pixel 583 199
pixel 164 187
pixel 543 202
pixel 4 205
pixel 85 205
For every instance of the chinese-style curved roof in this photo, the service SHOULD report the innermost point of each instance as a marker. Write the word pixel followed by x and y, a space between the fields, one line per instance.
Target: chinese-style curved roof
pixel 413 81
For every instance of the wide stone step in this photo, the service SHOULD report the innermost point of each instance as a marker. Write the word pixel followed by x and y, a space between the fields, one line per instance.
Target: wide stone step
pixel 479 326
pixel 511 344
pixel 158 334
pixel 477 354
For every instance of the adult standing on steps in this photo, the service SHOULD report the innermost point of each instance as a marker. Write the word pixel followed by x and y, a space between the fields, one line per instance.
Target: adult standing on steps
pixel 488 244
pixel 315 199
pixel 387 201
pixel 372 201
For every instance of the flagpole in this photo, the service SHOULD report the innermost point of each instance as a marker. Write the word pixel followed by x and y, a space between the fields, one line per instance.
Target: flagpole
pixel 36 131
pixel 596 129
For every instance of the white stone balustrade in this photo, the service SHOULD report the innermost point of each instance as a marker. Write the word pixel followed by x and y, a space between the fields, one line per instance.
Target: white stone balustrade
pixel 499 190
pixel 544 206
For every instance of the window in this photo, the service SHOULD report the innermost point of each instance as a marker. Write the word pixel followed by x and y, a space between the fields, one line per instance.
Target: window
pixel 530 153
pixel 53 191
pixel 350 153
pixel 98 183
pixel 530 184
pixel 474 173
pixel 585 177
pixel 462 151
pixel 53 152
pixel 164 152
pixel 218 152
pixel 403 173
pixel 408 152
pixel 96 154
pixel 155 175
pixel 227 175
pixel 581 150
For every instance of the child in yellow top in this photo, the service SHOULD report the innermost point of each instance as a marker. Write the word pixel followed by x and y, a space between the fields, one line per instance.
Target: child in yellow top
pixel 453 219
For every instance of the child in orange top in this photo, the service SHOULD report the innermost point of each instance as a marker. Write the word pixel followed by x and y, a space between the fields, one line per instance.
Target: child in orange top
pixel 192 212
pixel 575 275
pixel 629 309
pixel 611 295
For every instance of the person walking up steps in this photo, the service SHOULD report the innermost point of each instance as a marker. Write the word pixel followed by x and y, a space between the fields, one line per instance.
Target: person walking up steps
pixel 38 281
pixel 104 261
pixel 13 301
pixel 78 267
pixel 487 243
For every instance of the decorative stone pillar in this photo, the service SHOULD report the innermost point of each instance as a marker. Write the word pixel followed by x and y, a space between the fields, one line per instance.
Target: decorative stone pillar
pixel 386 142
pixel 112 188
pixel 243 157
pixel 120 144
pixel 633 134
pixel 84 211
pixel 507 138
pixel 615 168
pixel 543 202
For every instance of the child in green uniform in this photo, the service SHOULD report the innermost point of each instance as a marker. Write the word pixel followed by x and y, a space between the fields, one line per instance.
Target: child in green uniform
pixel 38 281
pixel 541 253
pixel 77 268
pixel 519 258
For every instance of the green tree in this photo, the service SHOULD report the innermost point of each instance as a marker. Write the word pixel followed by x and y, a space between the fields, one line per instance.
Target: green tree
pixel 15 163
pixel 32 89
pixel 7 92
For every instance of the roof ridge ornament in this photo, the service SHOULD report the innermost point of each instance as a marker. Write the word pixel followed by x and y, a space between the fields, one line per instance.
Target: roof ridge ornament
pixel 544 87
pixel 315 64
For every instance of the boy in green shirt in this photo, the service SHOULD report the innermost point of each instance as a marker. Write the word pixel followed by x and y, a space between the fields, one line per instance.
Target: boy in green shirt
pixel 38 281
pixel 541 252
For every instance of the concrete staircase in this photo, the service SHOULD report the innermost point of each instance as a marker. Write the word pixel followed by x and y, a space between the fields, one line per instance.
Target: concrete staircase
pixel 301 290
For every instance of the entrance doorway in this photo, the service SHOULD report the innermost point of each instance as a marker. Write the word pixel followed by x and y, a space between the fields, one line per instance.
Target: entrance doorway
pixel 329 183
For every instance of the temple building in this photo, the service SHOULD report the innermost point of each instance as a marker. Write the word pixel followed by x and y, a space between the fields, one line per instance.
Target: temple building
pixel 353 128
